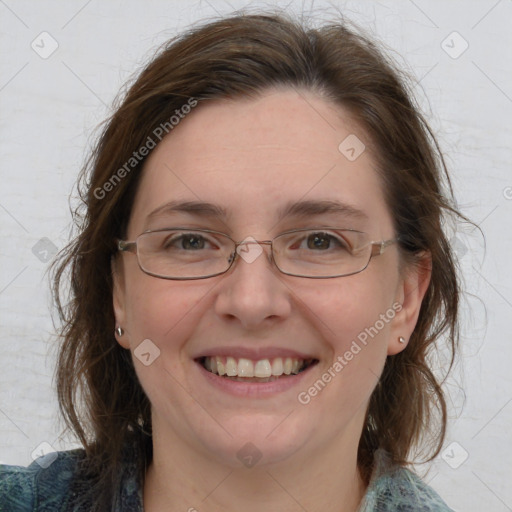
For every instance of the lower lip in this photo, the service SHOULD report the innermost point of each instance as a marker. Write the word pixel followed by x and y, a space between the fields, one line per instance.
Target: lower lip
pixel 254 389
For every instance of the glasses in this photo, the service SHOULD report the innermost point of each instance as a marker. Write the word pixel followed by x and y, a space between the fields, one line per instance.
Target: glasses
pixel 316 253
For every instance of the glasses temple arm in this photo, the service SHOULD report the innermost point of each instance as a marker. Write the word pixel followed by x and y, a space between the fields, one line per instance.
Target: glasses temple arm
pixel 378 247
pixel 125 246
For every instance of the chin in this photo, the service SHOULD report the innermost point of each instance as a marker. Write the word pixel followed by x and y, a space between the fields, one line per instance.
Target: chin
pixel 257 440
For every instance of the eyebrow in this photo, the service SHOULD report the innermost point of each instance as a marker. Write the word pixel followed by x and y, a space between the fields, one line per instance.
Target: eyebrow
pixel 199 208
pixel 308 208
pixel 296 209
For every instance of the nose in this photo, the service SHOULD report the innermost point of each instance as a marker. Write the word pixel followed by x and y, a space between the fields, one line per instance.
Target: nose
pixel 252 292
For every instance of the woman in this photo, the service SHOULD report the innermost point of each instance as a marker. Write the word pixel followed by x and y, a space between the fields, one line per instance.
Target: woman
pixel 259 278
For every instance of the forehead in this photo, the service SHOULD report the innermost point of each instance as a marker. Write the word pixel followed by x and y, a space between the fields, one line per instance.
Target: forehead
pixel 255 157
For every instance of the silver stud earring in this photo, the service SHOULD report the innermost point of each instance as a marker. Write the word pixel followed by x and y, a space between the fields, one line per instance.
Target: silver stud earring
pixel 119 330
pixel 401 339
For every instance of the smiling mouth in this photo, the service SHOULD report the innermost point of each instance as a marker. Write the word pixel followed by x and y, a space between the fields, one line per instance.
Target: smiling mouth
pixel 247 370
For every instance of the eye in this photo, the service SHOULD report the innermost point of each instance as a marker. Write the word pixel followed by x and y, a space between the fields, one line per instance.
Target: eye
pixel 192 242
pixel 323 241
pixel 186 241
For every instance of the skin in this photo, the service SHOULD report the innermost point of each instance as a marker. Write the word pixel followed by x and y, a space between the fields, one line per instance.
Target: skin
pixel 251 156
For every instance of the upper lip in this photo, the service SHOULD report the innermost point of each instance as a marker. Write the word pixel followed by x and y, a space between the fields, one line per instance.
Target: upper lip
pixel 255 354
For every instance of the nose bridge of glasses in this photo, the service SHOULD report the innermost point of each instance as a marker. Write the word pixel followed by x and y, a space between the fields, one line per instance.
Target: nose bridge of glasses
pixel 248 242
pixel 253 241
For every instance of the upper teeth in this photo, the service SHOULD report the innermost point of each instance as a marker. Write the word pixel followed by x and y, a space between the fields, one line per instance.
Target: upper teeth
pixel 247 368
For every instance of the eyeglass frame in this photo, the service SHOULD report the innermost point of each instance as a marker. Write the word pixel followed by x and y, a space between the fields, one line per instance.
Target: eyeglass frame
pixel 131 246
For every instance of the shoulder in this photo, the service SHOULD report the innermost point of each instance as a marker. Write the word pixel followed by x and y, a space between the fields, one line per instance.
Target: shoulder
pixel 43 486
pixel 397 489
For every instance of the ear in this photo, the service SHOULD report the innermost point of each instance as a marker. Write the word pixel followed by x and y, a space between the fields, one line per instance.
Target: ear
pixel 118 297
pixel 410 293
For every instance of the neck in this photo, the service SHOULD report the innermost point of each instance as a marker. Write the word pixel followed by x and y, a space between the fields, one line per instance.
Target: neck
pixel 181 478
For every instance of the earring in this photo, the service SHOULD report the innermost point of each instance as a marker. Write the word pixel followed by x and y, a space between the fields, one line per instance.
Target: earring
pixel 119 330
pixel 401 339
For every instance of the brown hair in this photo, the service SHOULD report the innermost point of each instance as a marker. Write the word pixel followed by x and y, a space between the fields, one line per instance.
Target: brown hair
pixel 240 56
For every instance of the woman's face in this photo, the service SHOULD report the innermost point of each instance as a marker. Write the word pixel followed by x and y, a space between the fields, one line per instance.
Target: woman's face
pixel 252 158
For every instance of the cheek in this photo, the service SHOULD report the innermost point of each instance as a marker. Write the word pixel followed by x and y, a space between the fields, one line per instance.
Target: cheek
pixel 165 313
pixel 345 383
pixel 350 306
pixel 160 310
pixel 353 317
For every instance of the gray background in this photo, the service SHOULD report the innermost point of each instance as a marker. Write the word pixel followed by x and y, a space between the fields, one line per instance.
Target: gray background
pixel 50 104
